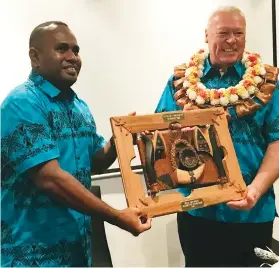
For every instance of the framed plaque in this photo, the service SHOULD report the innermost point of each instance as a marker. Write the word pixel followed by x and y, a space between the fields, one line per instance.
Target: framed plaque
pixel 198 155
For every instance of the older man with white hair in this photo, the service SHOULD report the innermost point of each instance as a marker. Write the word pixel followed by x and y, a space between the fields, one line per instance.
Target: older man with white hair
pixel 228 76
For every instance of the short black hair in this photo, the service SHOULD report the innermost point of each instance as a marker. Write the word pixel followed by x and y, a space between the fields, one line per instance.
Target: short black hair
pixel 39 30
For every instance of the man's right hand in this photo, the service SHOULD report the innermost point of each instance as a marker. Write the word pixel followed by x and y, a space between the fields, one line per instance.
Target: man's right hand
pixel 133 221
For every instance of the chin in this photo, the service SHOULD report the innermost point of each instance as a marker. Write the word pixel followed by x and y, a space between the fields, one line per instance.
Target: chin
pixel 69 80
pixel 230 61
pixel 65 84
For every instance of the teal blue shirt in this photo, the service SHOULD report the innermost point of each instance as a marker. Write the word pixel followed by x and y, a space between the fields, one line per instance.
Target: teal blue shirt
pixel 38 125
pixel 250 135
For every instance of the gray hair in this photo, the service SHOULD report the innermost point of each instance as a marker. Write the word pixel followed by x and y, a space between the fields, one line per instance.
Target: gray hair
pixel 225 9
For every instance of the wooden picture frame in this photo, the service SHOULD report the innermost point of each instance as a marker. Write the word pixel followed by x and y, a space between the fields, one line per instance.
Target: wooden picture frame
pixel 229 186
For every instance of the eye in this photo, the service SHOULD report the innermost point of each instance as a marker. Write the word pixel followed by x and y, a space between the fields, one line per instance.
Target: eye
pixel 62 48
pixel 222 33
pixel 239 33
pixel 75 50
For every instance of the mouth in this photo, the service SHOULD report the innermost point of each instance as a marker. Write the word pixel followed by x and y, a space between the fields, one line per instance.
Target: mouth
pixel 70 70
pixel 230 50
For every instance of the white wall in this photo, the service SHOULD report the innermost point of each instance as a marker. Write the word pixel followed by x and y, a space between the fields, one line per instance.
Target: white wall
pixel 129 49
pixel 157 247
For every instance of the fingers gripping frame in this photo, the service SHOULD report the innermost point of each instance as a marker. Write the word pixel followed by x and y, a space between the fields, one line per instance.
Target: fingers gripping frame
pixel 229 186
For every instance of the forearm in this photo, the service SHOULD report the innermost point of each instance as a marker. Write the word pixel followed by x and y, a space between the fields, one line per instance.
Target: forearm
pixel 65 188
pixel 104 158
pixel 269 170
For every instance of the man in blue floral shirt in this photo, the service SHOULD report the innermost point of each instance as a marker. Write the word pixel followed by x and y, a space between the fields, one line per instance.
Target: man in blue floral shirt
pixel 226 234
pixel 49 149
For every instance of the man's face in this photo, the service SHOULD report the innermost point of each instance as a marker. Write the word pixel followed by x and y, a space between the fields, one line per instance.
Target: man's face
pixel 58 57
pixel 226 38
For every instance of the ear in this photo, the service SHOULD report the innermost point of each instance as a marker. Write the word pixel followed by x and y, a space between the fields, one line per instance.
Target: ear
pixel 206 36
pixel 34 57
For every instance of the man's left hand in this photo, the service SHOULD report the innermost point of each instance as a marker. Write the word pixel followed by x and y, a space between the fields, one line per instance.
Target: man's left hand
pixel 250 200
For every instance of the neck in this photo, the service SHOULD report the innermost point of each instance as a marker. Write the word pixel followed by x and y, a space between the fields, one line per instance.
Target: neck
pixel 61 85
pixel 222 68
pixel 67 94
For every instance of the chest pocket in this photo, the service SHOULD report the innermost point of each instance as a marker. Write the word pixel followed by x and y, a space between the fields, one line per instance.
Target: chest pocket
pixel 83 129
pixel 73 130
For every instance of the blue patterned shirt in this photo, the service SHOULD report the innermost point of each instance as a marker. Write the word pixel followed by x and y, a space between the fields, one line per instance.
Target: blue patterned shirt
pixel 39 125
pixel 250 135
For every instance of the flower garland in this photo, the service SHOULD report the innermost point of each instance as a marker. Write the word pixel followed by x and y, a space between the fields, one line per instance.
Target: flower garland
pixel 245 89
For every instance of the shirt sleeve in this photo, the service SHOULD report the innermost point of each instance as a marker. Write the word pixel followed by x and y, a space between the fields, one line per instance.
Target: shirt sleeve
pixel 271 126
pixel 167 102
pixel 26 136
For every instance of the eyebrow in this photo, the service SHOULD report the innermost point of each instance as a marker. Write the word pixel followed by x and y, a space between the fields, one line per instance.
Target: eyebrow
pixel 229 28
pixel 76 47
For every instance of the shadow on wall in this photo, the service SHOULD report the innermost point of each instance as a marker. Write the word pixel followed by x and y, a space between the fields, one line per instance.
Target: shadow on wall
pixel 165 248
pixel 110 185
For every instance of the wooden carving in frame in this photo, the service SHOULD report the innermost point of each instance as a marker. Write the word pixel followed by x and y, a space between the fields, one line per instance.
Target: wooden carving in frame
pixel 201 159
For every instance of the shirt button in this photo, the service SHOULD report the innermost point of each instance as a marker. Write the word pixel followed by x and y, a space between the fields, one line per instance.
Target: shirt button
pixel 78 157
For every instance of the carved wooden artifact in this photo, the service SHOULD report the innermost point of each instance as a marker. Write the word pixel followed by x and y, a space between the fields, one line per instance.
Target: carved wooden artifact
pixel 201 159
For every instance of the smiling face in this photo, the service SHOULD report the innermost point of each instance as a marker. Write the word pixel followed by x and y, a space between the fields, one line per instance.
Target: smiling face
pixel 225 36
pixel 57 57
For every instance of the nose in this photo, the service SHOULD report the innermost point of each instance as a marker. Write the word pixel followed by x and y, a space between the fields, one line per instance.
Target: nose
pixel 231 39
pixel 71 56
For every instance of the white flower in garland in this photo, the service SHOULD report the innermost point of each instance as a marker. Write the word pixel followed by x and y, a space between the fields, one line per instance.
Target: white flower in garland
pixel 200 100
pixel 200 67
pixel 197 92
pixel 262 71
pixel 188 72
pixel 258 79
pixel 224 101
pixel 191 94
pixel 215 102
pixel 251 90
pixel 245 94
pixel 201 86
pixel 233 98
pixel 200 73
pixel 186 84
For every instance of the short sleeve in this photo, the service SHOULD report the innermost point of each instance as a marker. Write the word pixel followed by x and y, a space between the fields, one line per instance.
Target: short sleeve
pixel 167 102
pixel 26 136
pixel 271 126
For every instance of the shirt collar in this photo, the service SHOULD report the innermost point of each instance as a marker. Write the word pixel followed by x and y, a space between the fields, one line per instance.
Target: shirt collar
pixel 46 86
pixel 238 66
